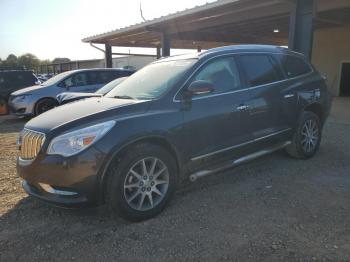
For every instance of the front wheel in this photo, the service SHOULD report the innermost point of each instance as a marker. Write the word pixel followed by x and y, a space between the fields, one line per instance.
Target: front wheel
pixel 307 137
pixel 44 105
pixel 142 182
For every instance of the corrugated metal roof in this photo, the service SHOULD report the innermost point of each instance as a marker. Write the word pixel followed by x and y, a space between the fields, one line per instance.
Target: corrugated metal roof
pixel 161 19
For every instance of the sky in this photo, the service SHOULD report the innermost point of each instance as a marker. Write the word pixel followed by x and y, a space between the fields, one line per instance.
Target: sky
pixel 54 28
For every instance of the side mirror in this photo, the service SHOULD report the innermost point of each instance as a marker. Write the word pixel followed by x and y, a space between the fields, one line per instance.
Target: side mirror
pixel 200 87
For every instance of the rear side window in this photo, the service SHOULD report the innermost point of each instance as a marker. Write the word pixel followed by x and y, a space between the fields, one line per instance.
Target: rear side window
pixel 125 73
pixel 17 79
pixel 107 76
pixel 2 81
pixel 294 66
pixel 259 69
pixel 27 78
pixel 222 72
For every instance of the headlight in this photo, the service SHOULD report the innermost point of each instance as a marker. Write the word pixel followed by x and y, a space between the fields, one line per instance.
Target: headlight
pixel 20 97
pixel 74 142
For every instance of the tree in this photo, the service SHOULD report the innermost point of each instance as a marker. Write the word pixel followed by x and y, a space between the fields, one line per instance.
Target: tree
pixel 45 62
pixel 29 61
pixel 11 61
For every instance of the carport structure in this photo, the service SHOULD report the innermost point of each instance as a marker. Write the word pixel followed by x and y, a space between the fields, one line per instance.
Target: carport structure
pixel 280 22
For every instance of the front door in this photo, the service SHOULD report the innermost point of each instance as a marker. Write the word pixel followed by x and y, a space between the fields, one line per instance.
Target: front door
pixel 213 122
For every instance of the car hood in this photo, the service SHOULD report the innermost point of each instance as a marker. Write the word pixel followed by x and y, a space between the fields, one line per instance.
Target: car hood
pixel 85 112
pixel 67 96
pixel 27 90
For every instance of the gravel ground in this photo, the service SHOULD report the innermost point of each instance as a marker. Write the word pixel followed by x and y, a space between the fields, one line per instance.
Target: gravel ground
pixel 272 209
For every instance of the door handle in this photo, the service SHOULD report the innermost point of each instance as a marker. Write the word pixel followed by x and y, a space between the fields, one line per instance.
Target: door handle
pixel 242 107
pixel 288 95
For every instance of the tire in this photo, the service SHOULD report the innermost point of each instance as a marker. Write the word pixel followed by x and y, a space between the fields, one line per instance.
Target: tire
pixel 131 192
pixel 44 105
pixel 305 145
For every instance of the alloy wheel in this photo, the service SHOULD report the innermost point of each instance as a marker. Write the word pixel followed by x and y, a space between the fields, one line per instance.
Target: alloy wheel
pixel 146 184
pixel 309 136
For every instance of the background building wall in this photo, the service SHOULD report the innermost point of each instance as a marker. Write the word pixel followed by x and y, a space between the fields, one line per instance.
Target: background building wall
pixel 135 61
pixel 331 47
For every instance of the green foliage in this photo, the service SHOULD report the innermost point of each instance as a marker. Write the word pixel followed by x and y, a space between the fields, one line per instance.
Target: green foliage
pixel 11 61
pixel 29 61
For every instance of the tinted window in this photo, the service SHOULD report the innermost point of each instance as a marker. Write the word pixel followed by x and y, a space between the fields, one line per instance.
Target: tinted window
pixel 93 77
pixel 126 73
pixel 17 79
pixel 2 81
pixel 259 69
pixel 79 79
pixel 222 72
pixel 294 66
pixel 27 78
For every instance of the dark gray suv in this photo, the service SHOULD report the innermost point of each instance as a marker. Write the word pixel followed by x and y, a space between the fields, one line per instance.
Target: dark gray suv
pixel 180 117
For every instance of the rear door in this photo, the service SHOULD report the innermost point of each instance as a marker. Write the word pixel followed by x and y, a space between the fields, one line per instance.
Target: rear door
pixel 266 110
pixel 296 71
pixel 104 77
pixel 214 123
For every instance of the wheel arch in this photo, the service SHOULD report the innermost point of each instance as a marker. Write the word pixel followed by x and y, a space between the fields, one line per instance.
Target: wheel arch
pixel 317 109
pixel 41 99
pixel 118 154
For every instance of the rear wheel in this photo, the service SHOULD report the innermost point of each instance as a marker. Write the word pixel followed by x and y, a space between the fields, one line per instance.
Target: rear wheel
pixel 142 182
pixel 307 137
pixel 44 105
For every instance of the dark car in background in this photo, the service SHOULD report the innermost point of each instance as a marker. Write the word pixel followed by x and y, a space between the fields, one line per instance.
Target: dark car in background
pixel 68 97
pixel 179 117
pixel 35 100
pixel 13 80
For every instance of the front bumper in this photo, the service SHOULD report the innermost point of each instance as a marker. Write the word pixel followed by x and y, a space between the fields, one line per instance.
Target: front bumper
pixel 58 199
pixel 66 182
pixel 20 109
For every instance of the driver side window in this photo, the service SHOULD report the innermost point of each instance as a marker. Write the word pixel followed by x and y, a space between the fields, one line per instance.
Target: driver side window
pixel 79 79
pixel 222 73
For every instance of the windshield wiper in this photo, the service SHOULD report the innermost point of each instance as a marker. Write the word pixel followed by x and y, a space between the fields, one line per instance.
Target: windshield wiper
pixel 124 97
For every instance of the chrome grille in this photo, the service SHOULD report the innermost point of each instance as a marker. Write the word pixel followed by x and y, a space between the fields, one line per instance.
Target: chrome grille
pixel 30 144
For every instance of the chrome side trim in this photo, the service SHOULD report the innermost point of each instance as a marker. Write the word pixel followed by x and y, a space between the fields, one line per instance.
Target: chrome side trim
pixel 203 173
pixel 239 145
pixel 243 89
pixel 289 95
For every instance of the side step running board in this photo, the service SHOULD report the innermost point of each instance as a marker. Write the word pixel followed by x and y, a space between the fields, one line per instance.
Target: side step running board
pixel 239 161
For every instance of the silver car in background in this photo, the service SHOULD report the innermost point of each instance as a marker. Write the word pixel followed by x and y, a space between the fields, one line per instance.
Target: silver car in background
pixel 68 97
pixel 34 100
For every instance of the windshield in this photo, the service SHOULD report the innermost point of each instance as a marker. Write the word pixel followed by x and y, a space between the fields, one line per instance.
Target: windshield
pixel 152 81
pixel 56 78
pixel 108 87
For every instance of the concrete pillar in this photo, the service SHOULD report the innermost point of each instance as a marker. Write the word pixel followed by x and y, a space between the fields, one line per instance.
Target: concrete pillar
pixel 301 27
pixel 165 43
pixel 158 52
pixel 108 56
